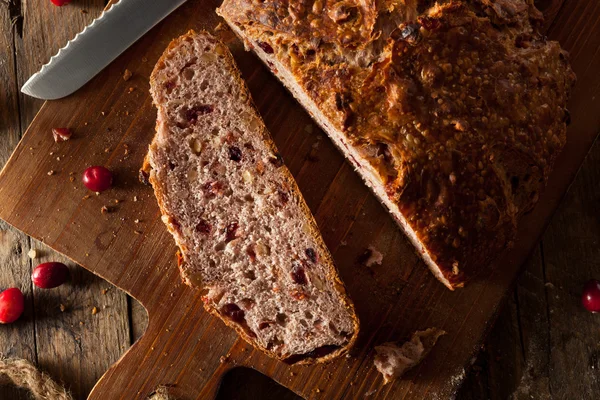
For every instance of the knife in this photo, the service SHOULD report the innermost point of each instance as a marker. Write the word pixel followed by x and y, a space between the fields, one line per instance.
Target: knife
pixel 97 46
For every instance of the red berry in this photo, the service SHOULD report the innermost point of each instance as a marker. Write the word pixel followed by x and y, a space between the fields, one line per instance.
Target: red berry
pixel 50 275
pixel 60 2
pixel 590 298
pixel 97 179
pixel 12 304
pixel 61 134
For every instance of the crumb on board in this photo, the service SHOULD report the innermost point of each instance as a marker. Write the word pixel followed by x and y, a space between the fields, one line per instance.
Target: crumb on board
pixel 95 310
pixel 370 257
pixel 62 307
pixel 375 258
pixel 127 75
pixel 393 360
pixel 32 254
pixel 51 172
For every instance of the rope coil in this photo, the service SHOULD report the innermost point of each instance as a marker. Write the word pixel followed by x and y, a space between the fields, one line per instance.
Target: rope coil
pixel 25 375
pixel 22 373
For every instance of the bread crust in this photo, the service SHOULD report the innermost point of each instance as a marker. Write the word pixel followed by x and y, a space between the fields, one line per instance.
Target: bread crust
pixel 453 113
pixel 325 256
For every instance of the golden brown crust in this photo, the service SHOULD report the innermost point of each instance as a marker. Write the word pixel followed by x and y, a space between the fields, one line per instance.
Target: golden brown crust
pixel 312 230
pixel 458 107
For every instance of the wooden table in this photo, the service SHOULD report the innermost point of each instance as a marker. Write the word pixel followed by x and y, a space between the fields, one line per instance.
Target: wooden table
pixel 543 345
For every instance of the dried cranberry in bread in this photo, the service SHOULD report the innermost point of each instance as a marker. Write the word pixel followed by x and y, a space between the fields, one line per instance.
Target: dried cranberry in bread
pixel 245 234
pixel 453 112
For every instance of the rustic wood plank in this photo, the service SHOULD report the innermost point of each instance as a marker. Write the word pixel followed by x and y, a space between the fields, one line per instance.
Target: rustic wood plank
pixel 535 329
pixel 73 353
pixel 571 255
pixel 514 360
pixel 81 327
pixel 18 339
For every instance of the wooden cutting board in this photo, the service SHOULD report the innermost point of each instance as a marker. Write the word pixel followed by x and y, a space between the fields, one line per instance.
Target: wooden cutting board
pixel 184 347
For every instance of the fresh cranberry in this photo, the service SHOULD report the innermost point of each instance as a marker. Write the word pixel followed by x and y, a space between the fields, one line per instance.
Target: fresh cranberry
pixel 60 2
pixel 12 304
pixel 590 298
pixel 50 275
pixel 97 178
pixel 61 134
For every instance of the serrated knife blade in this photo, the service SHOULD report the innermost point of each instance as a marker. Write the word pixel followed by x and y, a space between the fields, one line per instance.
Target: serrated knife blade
pixel 96 46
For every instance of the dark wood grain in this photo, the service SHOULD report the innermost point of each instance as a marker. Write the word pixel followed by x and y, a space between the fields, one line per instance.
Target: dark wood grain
pixel 183 346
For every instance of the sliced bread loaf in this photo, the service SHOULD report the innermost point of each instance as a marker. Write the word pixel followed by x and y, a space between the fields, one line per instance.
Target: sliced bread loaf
pixel 452 111
pixel 245 234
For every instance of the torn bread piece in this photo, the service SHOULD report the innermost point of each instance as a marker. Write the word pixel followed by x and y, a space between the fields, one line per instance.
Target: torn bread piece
pixel 245 234
pixel 393 360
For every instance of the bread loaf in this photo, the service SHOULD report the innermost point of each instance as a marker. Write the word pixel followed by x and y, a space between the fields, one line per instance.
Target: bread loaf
pixel 453 111
pixel 245 234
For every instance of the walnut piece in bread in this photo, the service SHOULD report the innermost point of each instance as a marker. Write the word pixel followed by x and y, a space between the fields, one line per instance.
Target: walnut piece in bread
pixel 245 234
pixel 453 111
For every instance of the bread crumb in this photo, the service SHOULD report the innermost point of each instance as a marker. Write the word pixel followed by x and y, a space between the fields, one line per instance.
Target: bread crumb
pixel 105 209
pixel 51 172
pixel 370 257
pixel 104 291
pixel 137 221
pixel 95 311
pixel 135 198
pixel 127 75
pixel 224 359
pixel 32 254
pixel 80 323
pixel 393 360
pixel 62 307
pixel 376 257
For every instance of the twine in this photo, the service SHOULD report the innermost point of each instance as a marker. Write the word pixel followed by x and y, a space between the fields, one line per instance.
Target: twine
pixel 25 375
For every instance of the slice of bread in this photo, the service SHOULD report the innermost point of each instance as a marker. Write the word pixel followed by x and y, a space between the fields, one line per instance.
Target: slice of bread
pixel 245 234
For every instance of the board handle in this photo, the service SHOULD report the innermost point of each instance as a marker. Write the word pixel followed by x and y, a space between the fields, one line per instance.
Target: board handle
pixel 183 348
